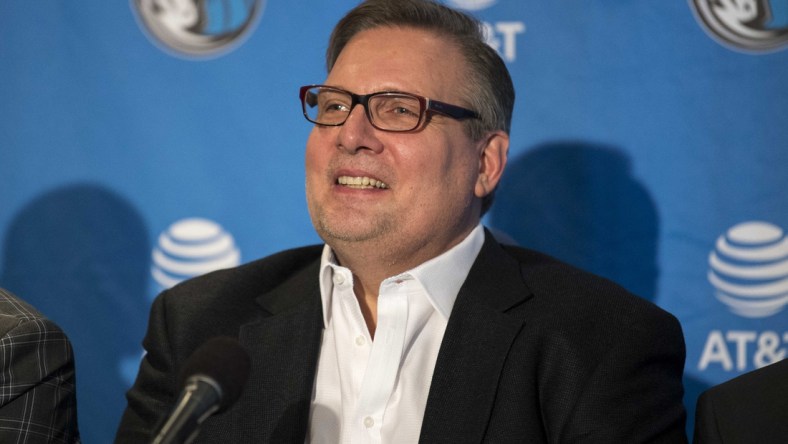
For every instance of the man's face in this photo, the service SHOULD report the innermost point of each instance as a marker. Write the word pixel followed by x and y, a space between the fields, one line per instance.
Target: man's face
pixel 432 175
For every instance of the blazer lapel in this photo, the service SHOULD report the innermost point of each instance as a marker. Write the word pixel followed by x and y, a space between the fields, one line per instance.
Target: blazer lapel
pixel 474 348
pixel 283 347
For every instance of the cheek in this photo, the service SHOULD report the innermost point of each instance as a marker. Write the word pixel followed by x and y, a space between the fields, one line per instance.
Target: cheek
pixel 314 164
pixel 447 165
pixel 461 166
pixel 314 153
pixel 463 175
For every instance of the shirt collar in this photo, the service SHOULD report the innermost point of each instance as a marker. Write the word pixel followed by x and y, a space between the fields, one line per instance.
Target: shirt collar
pixel 441 277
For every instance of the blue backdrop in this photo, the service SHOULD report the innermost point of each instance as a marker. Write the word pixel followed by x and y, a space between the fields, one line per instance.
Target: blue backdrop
pixel 137 149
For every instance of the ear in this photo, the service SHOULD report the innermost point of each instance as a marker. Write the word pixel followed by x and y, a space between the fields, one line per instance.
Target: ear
pixel 492 161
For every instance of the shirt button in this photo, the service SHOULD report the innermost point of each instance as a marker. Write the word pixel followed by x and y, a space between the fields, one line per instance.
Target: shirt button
pixel 369 422
pixel 361 340
pixel 339 279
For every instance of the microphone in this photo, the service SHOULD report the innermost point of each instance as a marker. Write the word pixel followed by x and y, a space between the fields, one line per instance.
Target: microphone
pixel 213 378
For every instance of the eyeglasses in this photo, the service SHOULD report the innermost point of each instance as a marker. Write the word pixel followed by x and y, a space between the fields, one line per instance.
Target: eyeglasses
pixel 386 110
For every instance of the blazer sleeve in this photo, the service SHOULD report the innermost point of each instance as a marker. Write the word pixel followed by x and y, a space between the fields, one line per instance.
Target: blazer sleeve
pixel 152 395
pixel 634 391
pixel 646 387
pixel 37 382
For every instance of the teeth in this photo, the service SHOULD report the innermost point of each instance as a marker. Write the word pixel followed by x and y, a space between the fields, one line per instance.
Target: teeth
pixel 361 182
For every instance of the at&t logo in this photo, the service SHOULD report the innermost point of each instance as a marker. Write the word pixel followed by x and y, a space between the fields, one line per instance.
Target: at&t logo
pixel 501 36
pixel 472 5
pixel 198 27
pixel 749 270
pixel 751 25
pixel 191 247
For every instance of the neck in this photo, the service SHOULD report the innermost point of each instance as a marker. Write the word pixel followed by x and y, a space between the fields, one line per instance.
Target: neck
pixel 372 263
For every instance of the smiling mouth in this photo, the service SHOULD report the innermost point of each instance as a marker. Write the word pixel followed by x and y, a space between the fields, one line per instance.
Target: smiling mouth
pixel 361 182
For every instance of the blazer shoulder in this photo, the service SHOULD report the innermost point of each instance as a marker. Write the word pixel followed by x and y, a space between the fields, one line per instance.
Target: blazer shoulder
pixel 546 272
pixel 227 298
pixel 748 408
pixel 14 312
pixel 755 387
pixel 568 289
pixel 250 279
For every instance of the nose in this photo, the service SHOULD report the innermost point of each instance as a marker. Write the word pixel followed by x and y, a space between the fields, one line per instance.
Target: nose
pixel 357 133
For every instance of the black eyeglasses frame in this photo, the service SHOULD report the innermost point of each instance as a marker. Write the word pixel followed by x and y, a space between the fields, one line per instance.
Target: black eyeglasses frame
pixel 426 105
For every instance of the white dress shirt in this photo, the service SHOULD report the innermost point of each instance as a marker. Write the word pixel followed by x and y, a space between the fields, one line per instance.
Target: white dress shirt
pixel 376 391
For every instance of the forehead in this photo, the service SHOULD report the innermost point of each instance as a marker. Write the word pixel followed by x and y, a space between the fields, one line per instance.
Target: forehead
pixel 411 59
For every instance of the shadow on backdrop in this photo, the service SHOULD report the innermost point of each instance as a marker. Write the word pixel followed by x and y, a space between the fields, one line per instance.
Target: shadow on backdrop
pixel 578 201
pixel 80 255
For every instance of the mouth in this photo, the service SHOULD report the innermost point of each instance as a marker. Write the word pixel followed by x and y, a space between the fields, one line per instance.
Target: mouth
pixel 361 182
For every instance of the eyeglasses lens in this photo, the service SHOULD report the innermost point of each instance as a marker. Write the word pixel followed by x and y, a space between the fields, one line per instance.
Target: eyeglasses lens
pixel 386 111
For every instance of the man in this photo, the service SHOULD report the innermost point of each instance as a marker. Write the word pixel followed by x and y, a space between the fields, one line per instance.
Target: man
pixel 412 323
pixel 38 399
pixel 752 407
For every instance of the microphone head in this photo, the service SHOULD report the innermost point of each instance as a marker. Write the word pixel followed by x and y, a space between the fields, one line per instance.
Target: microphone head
pixel 223 360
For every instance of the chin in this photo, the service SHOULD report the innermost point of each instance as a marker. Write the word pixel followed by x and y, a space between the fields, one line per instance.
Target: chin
pixel 330 231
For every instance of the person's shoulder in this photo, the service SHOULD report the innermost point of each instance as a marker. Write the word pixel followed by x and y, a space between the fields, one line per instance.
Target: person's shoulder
pixel 20 322
pixel 748 408
pixel 217 303
pixel 11 306
pixel 763 383
pixel 567 289
pixel 548 267
pixel 246 281
pixel 15 312
pixel 543 272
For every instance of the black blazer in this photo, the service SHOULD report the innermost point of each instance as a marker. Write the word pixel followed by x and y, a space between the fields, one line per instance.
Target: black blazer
pixel 534 351
pixel 752 408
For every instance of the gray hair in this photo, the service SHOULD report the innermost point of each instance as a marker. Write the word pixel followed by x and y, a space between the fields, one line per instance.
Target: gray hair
pixel 489 90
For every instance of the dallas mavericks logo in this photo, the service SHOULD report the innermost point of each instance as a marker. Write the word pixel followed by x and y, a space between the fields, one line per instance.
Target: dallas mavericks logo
pixel 753 25
pixel 198 27
pixel 191 247
pixel 472 5
pixel 749 269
